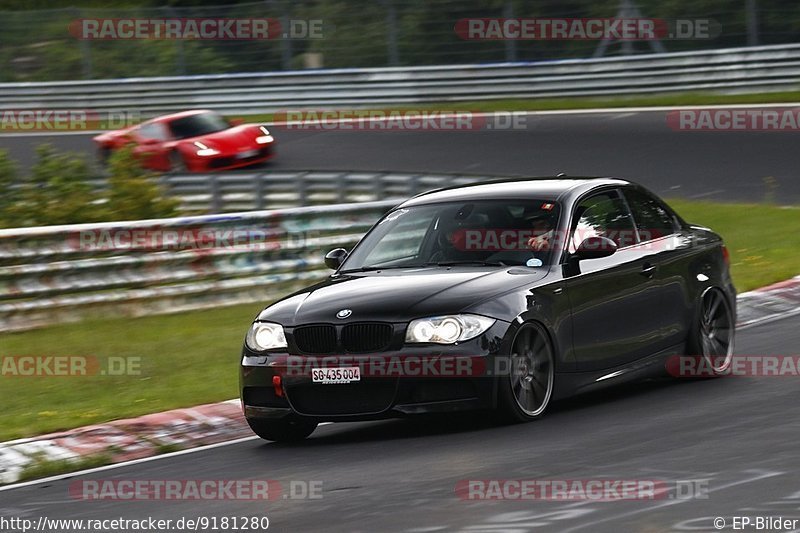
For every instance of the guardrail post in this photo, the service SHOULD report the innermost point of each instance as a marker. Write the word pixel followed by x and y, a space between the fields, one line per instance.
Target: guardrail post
pixel 380 187
pixel 216 194
pixel 259 192
pixel 391 33
pixel 751 13
pixel 413 185
pixel 285 38
pixel 180 57
pixel 341 188
pixel 511 44
pixel 302 188
pixel 86 51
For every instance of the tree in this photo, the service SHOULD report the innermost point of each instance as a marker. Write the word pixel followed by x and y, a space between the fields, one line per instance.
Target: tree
pixel 134 193
pixel 7 191
pixel 57 191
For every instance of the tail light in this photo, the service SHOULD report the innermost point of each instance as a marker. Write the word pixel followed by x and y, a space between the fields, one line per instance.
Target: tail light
pixel 726 255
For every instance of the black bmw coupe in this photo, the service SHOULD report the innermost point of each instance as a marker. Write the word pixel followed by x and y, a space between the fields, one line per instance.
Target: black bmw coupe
pixel 500 296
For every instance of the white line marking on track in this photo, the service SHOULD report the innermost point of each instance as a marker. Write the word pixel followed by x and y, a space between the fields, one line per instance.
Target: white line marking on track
pixel 756 477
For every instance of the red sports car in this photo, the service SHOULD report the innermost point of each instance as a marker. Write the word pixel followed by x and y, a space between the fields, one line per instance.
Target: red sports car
pixel 194 141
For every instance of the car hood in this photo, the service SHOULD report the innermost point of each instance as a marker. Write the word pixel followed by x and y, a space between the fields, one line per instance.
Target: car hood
pixel 231 140
pixel 399 295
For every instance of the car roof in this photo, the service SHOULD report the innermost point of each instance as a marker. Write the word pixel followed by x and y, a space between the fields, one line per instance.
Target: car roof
pixel 182 114
pixel 541 188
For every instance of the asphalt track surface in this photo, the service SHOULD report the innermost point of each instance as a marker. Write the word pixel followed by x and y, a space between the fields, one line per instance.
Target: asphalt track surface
pixel 737 437
pixel 637 145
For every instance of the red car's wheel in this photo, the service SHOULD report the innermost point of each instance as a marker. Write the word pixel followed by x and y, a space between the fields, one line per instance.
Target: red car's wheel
pixel 176 162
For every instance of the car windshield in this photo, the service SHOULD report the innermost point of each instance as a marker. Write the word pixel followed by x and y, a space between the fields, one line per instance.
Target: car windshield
pixel 196 125
pixel 474 233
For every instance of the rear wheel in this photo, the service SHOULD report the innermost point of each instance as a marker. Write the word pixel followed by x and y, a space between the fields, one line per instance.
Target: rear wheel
pixel 526 391
pixel 712 335
pixel 282 430
pixel 176 162
pixel 103 154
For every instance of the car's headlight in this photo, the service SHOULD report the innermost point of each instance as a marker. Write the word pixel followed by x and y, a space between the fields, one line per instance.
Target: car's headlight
pixel 265 137
pixel 447 329
pixel 265 336
pixel 204 150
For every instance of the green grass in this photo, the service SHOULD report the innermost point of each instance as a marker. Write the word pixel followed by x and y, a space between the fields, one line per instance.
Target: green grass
pixel 52 467
pixel 191 358
pixel 763 240
pixel 549 104
pixel 539 104
pixel 186 359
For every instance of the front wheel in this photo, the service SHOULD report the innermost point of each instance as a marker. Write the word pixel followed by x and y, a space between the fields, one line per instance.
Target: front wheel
pixel 526 391
pixel 103 155
pixel 282 430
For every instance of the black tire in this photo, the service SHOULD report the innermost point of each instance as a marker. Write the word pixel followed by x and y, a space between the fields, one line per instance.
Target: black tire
pixel 282 430
pixel 102 156
pixel 176 162
pixel 525 390
pixel 713 332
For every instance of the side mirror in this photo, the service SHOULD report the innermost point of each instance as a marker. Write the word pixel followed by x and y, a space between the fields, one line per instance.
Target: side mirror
pixel 335 258
pixel 595 248
pixel 149 142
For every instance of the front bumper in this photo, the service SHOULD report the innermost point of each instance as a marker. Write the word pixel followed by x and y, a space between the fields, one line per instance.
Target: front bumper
pixel 231 161
pixel 416 380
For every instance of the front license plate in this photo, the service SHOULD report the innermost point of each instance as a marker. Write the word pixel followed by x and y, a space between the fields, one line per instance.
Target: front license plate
pixel 246 154
pixel 345 374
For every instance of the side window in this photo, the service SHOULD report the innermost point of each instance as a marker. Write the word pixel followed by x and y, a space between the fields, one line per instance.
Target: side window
pixel 153 131
pixel 652 218
pixel 602 215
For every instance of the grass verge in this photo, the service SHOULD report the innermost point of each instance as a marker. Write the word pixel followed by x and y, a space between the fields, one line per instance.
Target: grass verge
pixel 551 104
pixel 191 358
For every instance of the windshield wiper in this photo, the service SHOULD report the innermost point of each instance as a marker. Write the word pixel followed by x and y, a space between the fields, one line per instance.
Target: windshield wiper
pixel 433 263
pixel 469 262
pixel 374 268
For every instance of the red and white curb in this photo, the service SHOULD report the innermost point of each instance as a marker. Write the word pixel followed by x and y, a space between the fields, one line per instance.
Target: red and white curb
pixel 769 303
pixel 184 429
pixel 128 440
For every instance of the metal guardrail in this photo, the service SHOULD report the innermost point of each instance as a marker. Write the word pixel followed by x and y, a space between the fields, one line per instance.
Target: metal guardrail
pixel 734 69
pixel 66 273
pixel 246 190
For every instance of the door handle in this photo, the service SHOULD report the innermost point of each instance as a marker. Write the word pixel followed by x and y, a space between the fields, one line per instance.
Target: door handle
pixel 648 270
